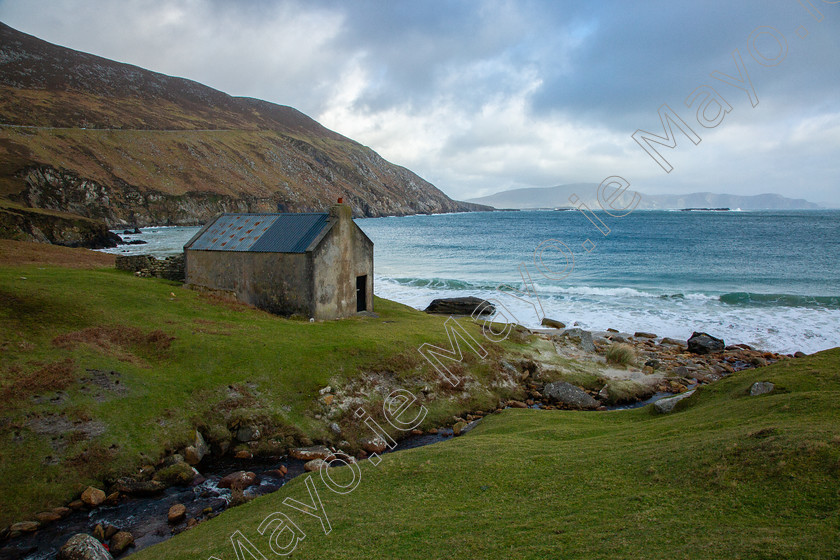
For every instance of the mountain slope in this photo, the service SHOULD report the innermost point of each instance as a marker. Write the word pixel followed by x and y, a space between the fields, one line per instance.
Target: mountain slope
pixel 109 140
pixel 552 197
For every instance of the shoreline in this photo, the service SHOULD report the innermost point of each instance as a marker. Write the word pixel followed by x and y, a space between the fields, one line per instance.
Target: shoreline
pixel 781 317
pixel 766 328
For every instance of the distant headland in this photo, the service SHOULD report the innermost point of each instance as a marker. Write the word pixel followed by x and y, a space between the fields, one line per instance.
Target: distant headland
pixel 558 197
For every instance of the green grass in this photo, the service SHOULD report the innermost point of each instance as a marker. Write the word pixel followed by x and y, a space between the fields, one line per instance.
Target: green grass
pixel 184 361
pixel 725 476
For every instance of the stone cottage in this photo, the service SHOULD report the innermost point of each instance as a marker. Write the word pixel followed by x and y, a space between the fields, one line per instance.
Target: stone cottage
pixel 313 264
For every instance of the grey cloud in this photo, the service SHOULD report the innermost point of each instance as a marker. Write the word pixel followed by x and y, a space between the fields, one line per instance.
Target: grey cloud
pixel 604 65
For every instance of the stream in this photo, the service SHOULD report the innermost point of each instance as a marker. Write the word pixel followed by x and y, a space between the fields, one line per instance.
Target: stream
pixel 146 517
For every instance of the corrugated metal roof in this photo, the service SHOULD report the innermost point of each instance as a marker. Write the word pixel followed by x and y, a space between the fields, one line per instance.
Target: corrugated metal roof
pixel 266 233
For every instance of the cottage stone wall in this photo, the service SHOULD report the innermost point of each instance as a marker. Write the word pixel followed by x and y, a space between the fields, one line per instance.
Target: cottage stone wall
pixel 276 282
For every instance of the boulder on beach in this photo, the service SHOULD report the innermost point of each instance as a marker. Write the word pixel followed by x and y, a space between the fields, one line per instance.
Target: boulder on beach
pixel 703 343
pixel 460 306
pixel 671 341
pixel 552 324
pixel 569 395
pixel 582 337
pixel 83 547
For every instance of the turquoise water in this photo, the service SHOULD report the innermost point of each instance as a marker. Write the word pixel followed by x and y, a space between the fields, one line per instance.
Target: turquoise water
pixel 769 279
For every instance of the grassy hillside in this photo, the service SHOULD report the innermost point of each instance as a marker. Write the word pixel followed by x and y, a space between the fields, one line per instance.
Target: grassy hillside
pixel 726 476
pixel 102 372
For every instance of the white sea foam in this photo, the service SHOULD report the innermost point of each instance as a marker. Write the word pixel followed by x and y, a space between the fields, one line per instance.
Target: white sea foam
pixel 777 328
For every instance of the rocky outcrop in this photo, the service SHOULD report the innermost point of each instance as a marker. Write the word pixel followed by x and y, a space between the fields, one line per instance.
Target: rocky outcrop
pixel 120 204
pixel 460 306
pixel 57 228
pixel 178 473
pixel 314 465
pixel 373 444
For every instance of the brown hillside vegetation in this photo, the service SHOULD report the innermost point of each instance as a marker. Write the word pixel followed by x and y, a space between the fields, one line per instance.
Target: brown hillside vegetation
pixel 26 253
pixel 112 141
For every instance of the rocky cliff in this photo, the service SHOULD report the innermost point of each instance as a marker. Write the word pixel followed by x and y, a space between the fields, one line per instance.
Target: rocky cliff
pixel 56 228
pixel 112 141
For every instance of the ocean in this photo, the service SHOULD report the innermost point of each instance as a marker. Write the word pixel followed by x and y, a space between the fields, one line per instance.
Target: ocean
pixel 770 279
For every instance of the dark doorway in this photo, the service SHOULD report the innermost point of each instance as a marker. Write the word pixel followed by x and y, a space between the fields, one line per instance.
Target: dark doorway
pixel 361 293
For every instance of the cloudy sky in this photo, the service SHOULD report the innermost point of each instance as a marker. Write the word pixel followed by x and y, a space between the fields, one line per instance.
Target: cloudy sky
pixel 482 96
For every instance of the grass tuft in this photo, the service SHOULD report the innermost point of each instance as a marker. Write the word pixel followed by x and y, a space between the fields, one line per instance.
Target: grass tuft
pixel 621 354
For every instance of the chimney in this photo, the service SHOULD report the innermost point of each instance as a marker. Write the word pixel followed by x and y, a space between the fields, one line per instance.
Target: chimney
pixel 340 211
